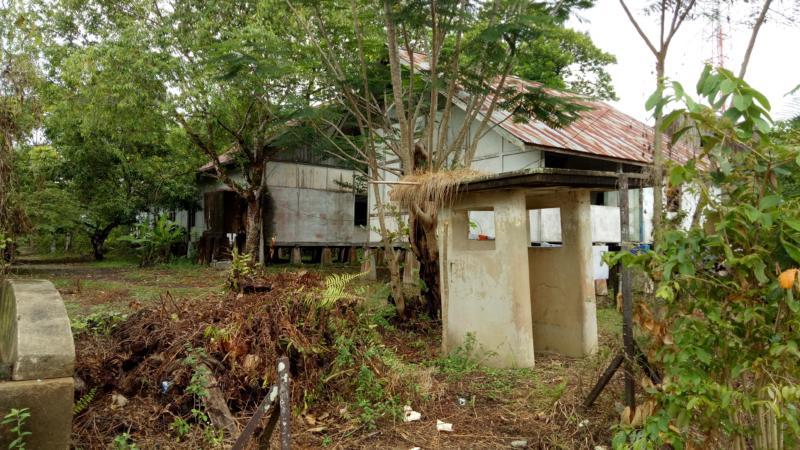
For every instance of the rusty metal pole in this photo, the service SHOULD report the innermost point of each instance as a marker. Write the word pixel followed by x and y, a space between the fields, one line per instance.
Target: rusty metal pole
pixel 284 396
pixel 627 297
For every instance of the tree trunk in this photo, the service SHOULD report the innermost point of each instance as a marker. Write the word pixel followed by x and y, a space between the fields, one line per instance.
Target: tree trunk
pixel 98 240
pixel 254 214
pixel 658 158
pixel 391 256
pixel 424 244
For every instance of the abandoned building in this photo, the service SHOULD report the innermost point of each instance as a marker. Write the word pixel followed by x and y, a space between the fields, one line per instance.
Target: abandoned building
pixel 315 203
pixel 603 139
pixel 521 247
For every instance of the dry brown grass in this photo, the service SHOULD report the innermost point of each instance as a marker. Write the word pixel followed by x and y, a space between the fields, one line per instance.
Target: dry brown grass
pixel 436 187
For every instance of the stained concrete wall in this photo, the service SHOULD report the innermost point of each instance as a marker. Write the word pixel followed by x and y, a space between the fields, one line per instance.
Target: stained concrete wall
pixel 481 296
pixel 497 152
pixel 312 204
pixel 37 360
pixel 561 280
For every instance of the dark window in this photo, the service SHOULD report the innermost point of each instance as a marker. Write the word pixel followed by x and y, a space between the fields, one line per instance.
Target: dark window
pixel 598 198
pixel 360 211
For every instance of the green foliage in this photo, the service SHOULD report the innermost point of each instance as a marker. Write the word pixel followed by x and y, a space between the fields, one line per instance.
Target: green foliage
pixel 461 360
pixel 84 401
pixel 726 333
pixel 372 399
pixel 124 442
pixel 98 323
pixel 241 268
pixel 334 291
pixel 198 385
pixel 16 419
pixel 4 243
pixel 154 242
pixel 180 427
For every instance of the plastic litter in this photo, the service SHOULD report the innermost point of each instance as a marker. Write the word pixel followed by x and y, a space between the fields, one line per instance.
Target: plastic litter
pixel 410 415
pixel 165 385
pixel 444 426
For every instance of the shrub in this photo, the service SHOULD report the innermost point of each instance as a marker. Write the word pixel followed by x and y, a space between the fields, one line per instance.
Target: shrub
pixel 725 319
pixel 153 243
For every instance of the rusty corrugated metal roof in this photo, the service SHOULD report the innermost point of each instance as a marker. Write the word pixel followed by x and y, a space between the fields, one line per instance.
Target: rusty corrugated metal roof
pixel 602 131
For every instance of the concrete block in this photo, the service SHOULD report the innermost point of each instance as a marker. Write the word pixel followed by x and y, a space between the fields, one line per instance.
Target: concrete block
pixel 326 258
pixel 297 256
pixel 600 287
pixel 369 266
pixel 50 405
pixel 410 268
pixel 35 334
pixel 352 255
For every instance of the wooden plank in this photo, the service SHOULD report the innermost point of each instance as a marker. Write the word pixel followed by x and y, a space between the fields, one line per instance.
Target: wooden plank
pixel 284 395
pixel 265 407
pixel 603 381
pixel 627 298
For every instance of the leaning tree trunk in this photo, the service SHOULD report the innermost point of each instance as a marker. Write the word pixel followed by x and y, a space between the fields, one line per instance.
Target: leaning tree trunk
pixel 424 245
pixel 253 225
pixel 98 241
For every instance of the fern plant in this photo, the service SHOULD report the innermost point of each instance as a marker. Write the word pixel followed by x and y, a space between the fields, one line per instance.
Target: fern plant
pixel 84 401
pixel 334 291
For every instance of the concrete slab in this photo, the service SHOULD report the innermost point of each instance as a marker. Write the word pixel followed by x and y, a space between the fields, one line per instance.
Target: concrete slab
pixel 50 405
pixel 35 334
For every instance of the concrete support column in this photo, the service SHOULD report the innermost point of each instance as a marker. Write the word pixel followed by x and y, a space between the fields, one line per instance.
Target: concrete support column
pixel 352 255
pixel 368 265
pixel 511 244
pixel 576 227
pixel 562 283
pixel 486 286
pixel 326 258
pixel 410 267
pixel 296 256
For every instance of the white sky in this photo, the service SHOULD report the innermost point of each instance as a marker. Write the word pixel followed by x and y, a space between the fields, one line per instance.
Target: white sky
pixel 774 67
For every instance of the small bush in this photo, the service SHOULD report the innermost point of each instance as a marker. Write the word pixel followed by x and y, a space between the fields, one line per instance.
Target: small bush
pixel 153 243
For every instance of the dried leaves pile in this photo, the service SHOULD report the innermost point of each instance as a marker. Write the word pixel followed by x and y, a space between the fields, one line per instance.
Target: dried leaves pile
pixel 238 337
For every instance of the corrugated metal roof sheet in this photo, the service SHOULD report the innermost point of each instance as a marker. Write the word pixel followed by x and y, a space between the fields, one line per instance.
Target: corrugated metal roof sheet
pixel 602 131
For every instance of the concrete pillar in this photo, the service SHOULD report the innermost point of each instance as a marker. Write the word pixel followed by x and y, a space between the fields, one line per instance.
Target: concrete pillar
pixel 296 256
pixel 562 283
pixel 368 265
pixel 352 255
pixel 326 258
pixel 37 355
pixel 410 268
pixel 485 284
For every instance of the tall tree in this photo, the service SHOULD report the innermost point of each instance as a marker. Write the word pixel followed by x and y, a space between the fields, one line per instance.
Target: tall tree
pixel 223 100
pixel 671 16
pixel 20 109
pixel 437 58
pixel 107 122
